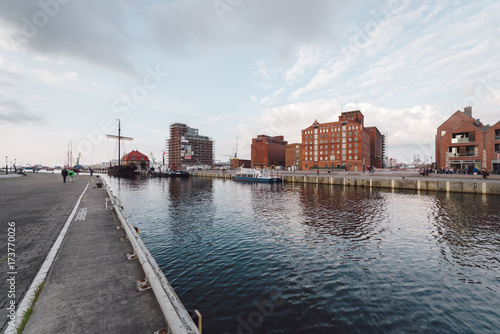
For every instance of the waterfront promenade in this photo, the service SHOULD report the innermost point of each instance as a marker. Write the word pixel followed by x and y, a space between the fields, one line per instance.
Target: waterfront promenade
pixel 39 205
pixel 91 286
pixel 385 179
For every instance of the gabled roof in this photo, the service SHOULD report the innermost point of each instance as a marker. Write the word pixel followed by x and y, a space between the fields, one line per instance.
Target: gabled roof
pixel 135 154
pixel 450 130
pixel 459 116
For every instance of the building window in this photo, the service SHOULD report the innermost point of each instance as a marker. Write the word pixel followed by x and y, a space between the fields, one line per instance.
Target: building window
pixel 463 151
pixel 497 134
pixel 497 148
pixel 464 137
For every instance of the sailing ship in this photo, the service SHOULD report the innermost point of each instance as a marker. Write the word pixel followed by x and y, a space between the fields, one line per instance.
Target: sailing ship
pixel 120 170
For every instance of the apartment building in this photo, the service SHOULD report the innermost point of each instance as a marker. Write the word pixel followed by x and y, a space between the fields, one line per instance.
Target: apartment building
pixel 186 147
pixel 463 141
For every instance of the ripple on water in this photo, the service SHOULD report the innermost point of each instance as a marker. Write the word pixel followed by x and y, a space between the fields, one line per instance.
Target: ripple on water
pixel 320 259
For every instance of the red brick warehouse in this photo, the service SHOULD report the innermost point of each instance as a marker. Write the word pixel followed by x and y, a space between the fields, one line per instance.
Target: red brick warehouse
pixel 344 144
pixel 268 151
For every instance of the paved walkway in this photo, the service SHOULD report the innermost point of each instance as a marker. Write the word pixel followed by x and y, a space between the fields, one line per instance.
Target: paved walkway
pixel 91 287
pixel 39 205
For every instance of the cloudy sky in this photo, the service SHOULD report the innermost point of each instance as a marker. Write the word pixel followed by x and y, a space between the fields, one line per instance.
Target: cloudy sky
pixel 238 68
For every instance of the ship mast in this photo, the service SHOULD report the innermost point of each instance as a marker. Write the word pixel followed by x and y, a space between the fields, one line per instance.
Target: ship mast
pixel 120 138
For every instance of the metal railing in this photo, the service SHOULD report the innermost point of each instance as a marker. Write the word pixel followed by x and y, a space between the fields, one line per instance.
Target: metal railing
pixel 178 319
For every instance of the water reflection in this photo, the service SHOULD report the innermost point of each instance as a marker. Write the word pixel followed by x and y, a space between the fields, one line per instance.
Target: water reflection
pixel 467 227
pixel 296 258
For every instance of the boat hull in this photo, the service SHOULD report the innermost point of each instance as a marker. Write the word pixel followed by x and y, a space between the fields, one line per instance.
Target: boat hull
pixel 256 179
pixel 181 174
pixel 121 171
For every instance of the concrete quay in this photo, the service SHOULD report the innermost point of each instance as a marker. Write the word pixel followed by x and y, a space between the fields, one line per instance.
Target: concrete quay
pixel 38 205
pixel 95 281
pixel 459 183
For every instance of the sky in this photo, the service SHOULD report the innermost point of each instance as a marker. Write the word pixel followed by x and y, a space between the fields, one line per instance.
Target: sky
pixel 235 69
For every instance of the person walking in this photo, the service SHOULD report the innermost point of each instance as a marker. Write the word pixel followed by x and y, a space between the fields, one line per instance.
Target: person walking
pixel 64 173
pixel 71 174
pixel 485 173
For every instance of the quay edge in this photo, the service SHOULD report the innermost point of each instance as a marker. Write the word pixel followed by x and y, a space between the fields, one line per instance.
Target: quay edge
pixel 439 184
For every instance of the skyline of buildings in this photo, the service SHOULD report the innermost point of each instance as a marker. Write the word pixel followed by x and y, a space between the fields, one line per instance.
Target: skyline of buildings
pixel 460 141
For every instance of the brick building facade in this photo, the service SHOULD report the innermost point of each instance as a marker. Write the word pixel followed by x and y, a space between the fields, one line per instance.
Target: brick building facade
pixel 237 163
pixel 377 147
pixel 267 151
pixel 463 141
pixel 293 153
pixel 343 144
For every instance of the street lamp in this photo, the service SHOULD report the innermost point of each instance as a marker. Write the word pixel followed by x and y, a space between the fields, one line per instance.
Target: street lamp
pixel 6 165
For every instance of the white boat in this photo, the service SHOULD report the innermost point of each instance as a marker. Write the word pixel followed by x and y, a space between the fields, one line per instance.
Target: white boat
pixel 257 175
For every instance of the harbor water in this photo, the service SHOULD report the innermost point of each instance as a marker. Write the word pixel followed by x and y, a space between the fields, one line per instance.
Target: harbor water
pixel 304 258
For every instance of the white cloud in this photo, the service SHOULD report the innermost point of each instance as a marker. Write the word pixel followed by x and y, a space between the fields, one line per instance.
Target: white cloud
pixel 54 79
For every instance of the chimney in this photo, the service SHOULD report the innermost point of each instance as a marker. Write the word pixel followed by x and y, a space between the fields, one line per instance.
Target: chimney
pixel 468 111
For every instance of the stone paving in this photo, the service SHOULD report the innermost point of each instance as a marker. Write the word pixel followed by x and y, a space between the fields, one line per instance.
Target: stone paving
pixel 39 204
pixel 91 287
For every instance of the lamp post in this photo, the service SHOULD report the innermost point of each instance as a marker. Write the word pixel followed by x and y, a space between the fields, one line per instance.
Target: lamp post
pixel 6 165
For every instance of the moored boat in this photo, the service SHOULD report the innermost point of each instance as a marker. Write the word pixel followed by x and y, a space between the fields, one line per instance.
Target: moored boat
pixel 257 175
pixel 175 173
pixel 121 170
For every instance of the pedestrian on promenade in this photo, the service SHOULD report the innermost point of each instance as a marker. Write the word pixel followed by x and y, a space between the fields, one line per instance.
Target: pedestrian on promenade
pixel 317 171
pixel 485 173
pixel 64 173
pixel 71 174
pixel 92 171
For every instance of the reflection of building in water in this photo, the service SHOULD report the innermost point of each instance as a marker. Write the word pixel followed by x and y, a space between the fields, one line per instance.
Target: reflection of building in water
pixel 344 144
pixel 466 228
pixel 186 147
pixel 347 213
pixel 463 141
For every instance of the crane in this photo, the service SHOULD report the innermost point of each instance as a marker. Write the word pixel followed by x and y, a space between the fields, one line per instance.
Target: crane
pixel 236 151
pixel 78 167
